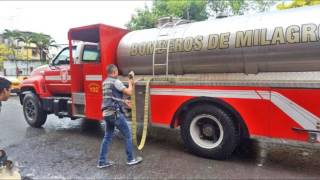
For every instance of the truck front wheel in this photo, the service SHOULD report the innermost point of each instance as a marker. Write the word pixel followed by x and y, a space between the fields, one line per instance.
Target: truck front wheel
pixel 209 131
pixel 33 113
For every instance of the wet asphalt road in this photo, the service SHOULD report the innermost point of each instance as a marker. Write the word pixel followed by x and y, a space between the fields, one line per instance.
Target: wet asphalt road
pixel 69 149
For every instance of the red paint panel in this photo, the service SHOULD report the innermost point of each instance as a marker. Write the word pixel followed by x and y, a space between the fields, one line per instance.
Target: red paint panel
pixel 281 125
pixel 164 107
pixel 261 116
pixel 77 77
pixel 93 107
pixel 309 99
pixel 57 86
pixel 256 113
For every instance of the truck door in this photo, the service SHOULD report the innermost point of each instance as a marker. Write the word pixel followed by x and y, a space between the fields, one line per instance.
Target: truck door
pixel 57 75
pixel 88 66
pixel 92 77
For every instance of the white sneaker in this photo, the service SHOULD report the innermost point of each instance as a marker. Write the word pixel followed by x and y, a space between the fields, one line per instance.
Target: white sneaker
pixel 104 165
pixel 135 161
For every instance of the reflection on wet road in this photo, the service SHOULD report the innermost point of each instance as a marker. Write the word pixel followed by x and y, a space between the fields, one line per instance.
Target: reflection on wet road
pixel 69 149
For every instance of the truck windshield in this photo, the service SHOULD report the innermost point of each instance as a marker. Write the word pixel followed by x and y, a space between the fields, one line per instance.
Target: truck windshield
pixel 63 57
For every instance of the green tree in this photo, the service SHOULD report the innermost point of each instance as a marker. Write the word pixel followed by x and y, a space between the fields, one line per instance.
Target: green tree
pixel 263 5
pixel 5 52
pixel 186 9
pixel 196 10
pixel 143 19
pixel 43 42
pixel 297 3
pixel 26 38
pixel 12 37
pixel 238 7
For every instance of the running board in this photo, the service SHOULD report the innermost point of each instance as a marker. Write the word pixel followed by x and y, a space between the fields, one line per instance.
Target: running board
pixel 305 130
pixel 312 133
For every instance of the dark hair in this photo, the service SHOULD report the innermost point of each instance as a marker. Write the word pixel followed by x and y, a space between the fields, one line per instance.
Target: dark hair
pixel 111 68
pixel 4 84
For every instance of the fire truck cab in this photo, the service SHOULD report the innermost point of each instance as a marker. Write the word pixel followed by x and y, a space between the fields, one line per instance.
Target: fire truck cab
pixel 70 86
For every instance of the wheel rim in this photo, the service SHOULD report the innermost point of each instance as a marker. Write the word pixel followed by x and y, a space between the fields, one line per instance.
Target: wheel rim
pixel 30 110
pixel 206 131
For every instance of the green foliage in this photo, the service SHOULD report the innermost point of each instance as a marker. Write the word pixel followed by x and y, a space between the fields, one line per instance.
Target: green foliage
pixel 238 7
pixel 143 19
pixel 297 3
pixel 4 53
pixel 185 9
pixel 12 37
pixel 196 10
pixel 26 38
pixel 42 41
pixel 263 5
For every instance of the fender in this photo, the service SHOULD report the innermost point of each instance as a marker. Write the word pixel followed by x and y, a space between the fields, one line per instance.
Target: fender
pixel 35 84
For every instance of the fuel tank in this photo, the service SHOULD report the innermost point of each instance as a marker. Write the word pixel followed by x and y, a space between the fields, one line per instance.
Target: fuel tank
pixel 280 41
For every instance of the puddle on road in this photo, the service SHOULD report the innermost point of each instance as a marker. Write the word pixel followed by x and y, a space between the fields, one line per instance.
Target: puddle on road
pixel 257 154
pixel 262 153
pixel 292 157
pixel 85 127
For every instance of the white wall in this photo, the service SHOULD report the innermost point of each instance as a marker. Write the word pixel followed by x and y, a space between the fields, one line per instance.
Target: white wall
pixel 25 67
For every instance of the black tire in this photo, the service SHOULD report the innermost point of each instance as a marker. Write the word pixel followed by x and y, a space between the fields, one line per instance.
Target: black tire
pixel 32 110
pixel 208 131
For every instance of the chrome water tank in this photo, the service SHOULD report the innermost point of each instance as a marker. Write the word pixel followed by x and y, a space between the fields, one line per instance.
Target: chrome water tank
pixel 281 41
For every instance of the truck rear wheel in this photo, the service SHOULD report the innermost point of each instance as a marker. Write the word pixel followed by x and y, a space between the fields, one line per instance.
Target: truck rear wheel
pixel 33 113
pixel 208 131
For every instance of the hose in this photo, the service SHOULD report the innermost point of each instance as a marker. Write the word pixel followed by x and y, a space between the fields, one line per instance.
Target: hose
pixel 145 116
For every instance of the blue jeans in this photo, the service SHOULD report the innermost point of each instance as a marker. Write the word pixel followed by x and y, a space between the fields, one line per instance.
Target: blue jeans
pixel 121 124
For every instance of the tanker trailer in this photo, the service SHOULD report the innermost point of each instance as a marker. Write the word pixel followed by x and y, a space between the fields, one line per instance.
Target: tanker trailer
pixel 250 76
pixel 281 41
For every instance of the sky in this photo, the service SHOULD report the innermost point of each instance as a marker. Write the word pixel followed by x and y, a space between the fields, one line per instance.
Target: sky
pixel 55 18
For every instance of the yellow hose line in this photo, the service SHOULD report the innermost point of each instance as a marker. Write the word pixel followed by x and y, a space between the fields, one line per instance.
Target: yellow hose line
pixel 145 116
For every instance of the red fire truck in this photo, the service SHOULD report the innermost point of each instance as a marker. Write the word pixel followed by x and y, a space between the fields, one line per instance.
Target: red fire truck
pixel 227 79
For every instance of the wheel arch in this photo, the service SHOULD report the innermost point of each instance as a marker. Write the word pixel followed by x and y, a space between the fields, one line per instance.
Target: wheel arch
pixel 236 117
pixel 24 90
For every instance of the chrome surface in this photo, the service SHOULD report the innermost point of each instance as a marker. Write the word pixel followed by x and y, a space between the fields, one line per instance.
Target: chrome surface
pixel 79 98
pixel 280 41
